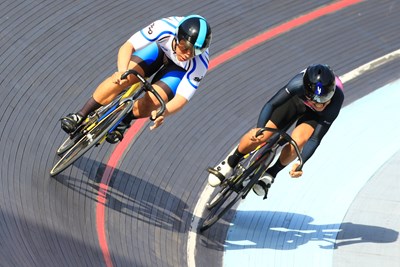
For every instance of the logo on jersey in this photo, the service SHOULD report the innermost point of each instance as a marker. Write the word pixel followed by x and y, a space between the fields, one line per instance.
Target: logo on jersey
pixel 150 31
pixel 198 79
pixel 318 88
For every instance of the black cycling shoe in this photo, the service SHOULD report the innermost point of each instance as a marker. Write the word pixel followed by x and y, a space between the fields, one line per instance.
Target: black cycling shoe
pixel 118 134
pixel 70 122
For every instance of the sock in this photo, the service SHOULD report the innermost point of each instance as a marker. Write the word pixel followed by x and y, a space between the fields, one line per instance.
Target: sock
pixel 90 106
pixel 129 118
pixel 234 159
pixel 276 168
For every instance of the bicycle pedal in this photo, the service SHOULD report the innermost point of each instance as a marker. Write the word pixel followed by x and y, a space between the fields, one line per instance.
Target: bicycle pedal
pixel 114 137
pixel 216 173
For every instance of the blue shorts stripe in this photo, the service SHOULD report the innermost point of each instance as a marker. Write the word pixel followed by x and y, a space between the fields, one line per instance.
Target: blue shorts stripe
pixel 148 54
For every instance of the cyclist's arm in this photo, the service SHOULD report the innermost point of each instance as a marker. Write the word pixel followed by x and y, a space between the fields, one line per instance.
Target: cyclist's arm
pixel 278 99
pixel 294 87
pixel 124 56
pixel 329 116
pixel 314 141
pixel 175 105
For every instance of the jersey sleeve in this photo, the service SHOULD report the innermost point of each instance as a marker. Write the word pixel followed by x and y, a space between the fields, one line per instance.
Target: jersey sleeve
pixel 325 121
pixel 314 141
pixel 293 88
pixel 154 32
pixel 194 75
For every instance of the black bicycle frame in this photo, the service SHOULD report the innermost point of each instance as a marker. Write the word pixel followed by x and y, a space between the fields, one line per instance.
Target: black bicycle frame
pixel 268 153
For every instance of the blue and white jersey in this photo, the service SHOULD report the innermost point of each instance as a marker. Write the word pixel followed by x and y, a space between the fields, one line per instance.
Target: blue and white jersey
pixel 163 32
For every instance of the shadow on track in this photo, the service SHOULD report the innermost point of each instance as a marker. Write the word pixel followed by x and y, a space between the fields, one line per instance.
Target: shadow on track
pixel 287 231
pixel 131 196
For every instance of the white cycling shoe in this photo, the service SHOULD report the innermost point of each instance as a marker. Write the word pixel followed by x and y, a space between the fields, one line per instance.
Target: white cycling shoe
pixel 262 186
pixel 219 173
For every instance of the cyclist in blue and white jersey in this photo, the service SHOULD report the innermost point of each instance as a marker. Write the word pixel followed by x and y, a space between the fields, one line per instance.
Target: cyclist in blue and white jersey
pixel 312 100
pixel 174 50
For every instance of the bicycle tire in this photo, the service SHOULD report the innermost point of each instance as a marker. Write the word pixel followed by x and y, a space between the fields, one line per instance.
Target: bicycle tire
pixel 70 142
pixel 227 185
pixel 219 210
pixel 88 140
pixel 217 197
pixel 67 144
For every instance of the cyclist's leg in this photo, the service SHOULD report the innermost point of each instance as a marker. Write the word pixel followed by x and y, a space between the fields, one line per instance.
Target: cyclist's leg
pixel 143 107
pixel 300 134
pixel 284 119
pixel 104 94
pixel 145 61
pixel 108 89
pixel 248 142
pixel 281 118
pixel 165 82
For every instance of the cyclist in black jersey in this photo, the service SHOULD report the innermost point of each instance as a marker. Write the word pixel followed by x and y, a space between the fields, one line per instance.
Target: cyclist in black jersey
pixel 313 98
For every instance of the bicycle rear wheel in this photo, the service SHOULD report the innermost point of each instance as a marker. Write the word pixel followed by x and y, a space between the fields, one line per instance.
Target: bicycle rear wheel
pixel 219 209
pixel 91 138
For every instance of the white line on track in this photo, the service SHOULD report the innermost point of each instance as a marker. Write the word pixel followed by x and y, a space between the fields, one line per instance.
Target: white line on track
pixel 370 66
pixel 205 195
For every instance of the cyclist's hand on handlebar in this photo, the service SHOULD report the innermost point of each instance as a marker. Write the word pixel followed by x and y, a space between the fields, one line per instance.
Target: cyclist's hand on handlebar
pixel 158 121
pixel 116 78
pixel 254 137
pixel 293 173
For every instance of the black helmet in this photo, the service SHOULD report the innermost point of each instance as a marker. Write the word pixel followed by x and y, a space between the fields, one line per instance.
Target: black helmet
pixel 319 83
pixel 195 30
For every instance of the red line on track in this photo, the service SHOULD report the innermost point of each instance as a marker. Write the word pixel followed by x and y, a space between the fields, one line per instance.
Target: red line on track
pixel 138 124
pixel 280 29
pixel 103 187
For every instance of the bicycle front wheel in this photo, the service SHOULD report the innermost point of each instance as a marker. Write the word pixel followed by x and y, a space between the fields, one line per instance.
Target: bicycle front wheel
pixel 91 138
pixel 67 144
pixel 218 197
pixel 220 208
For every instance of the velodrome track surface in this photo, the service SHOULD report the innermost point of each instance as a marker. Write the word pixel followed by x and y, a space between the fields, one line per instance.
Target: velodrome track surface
pixel 54 53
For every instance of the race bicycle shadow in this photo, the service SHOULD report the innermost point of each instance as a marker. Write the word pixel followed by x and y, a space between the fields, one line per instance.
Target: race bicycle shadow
pixel 129 195
pixel 287 231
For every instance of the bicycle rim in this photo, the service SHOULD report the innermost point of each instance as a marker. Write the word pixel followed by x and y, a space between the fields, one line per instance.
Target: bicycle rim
pixel 67 144
pixel 217 197
pixel 220 210
pixel 91 138
pixel 216 205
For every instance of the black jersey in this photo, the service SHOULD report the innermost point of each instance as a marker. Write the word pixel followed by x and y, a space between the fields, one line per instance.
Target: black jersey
pixel 293 105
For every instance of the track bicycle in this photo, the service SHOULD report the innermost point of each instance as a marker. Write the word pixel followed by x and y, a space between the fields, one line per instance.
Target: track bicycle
pixel 245 175
pixel 99 124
